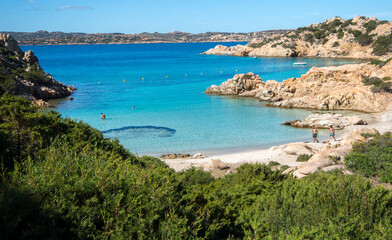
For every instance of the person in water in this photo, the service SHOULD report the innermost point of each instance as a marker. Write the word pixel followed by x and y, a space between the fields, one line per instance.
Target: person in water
pixel 103 116
pixel 133 107
pixel 315 134
pixel 331 133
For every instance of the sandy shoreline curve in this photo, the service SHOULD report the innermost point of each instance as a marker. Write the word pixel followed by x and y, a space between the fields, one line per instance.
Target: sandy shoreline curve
pixel 285 154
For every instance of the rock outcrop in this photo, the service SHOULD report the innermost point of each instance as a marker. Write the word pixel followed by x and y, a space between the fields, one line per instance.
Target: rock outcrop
pixel 327 88
pixel 360 37
pixel 331 156
pixel 338 121
pixel 21 74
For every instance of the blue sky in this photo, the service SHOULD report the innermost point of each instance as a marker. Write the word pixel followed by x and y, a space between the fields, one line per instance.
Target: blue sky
pixel 195 16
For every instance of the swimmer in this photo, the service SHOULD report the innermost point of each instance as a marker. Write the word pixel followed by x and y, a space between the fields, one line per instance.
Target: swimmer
pixel 103 116
pixel 133 107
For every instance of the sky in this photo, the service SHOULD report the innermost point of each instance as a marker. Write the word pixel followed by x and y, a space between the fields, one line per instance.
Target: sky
pixel 196 16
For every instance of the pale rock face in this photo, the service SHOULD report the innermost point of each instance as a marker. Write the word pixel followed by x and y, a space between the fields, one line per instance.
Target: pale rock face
pixel 338 121
pixel 328 88
pixel 280 45
pixel 45 88
pixel 322 161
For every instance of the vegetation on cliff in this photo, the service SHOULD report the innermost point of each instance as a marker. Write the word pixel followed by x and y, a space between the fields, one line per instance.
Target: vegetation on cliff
pixel 21 74
pixel 69 182
pixel 360 37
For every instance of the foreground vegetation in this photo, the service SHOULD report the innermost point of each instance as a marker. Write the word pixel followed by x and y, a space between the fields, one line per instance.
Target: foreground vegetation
pixel 66 181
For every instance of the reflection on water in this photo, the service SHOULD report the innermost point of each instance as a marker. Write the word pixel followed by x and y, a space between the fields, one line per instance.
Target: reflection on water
pixel 140 132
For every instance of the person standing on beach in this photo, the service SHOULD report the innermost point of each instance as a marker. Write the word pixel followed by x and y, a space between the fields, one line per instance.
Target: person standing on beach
pixel 315 134
pixel 331 133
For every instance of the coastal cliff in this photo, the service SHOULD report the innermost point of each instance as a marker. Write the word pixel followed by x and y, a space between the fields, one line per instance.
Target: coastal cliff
pixel 360 37
pixel 361 87
pixel 21 74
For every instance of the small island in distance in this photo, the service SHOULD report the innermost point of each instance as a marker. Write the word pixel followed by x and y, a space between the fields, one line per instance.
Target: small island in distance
pixel 43 37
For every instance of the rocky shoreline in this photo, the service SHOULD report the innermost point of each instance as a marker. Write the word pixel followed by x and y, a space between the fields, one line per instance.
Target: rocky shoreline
pixel 21 74
pixel 326 88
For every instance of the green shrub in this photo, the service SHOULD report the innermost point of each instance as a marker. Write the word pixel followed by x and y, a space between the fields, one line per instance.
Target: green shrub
pixel 12 58
pixel 380 63
pixel 320 34
pixel 382 45
pixel 372 159
pixel 304 157
pixel 340 34
pixel 382 87
pixel 335 44
pixel 273 163
pixel 370 26
pixel 356 33
pixel 308 37
pixel 372 81
pixel 346 23
pixel 364 39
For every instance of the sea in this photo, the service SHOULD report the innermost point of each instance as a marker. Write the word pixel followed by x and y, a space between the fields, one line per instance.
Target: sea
pixel 153 96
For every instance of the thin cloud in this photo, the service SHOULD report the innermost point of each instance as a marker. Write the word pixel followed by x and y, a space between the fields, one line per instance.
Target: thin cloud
pixel 31 1
pixel 40 9
pixel 69 7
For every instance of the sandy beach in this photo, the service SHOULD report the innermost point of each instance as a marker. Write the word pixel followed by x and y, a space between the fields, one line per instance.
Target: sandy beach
pixel 285 154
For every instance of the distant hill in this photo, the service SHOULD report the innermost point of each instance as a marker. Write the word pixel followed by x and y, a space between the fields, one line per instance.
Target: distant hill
pixel 59 38
pixel 360 37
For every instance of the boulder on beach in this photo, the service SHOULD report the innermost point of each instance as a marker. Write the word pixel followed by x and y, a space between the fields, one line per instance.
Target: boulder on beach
pixel 338 121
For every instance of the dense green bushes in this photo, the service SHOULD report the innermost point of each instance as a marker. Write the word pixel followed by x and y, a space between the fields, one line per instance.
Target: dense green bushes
pixel 374 158
pixel 78 185
pixel 27 131
pixel 382 45
pixel 379 85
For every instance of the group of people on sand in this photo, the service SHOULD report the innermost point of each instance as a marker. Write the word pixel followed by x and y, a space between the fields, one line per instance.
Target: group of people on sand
pixel 331 133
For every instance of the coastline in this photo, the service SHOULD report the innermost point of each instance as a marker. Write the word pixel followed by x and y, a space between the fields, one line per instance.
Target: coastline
pixel 284 154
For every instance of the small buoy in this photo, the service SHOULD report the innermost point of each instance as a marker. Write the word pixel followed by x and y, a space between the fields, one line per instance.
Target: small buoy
pixel 142 78
pixel 73 85
pixel 124 80
pixel 166 76
pixel 99 82
pixel 185 75
pixel 220 72
pixel 265 68
pixel 201 73
pixel 236 70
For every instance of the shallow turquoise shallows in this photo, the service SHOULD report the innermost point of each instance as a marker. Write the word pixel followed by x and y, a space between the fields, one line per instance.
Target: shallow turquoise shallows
pixel 166 84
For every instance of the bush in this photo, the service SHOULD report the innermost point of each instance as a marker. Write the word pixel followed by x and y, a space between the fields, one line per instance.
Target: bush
pixel 364 39
pixel 380 63
pixel 356 33
pixel 335 44
pixel 320 34
pixel 382 45
pixel 373 159
pixel 304 157
pixel 308 37
pixel 370 26
pixel 382 87
pixel 340 34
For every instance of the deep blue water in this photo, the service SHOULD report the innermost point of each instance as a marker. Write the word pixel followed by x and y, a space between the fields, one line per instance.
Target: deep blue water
pixel 166 84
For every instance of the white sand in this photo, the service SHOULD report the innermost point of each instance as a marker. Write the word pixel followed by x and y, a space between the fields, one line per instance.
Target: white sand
pixel 285 154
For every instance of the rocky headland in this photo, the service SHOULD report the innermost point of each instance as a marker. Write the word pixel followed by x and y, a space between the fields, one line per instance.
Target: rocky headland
pixel 21 74
pixel 360 87
pixel 360 37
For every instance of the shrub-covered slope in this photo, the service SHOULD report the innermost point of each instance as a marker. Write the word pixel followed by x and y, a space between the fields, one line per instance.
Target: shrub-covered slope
pixel 360 37
pixel 69 182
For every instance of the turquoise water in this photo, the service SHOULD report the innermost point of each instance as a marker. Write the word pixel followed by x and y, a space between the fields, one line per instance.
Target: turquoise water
pixel 172 114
